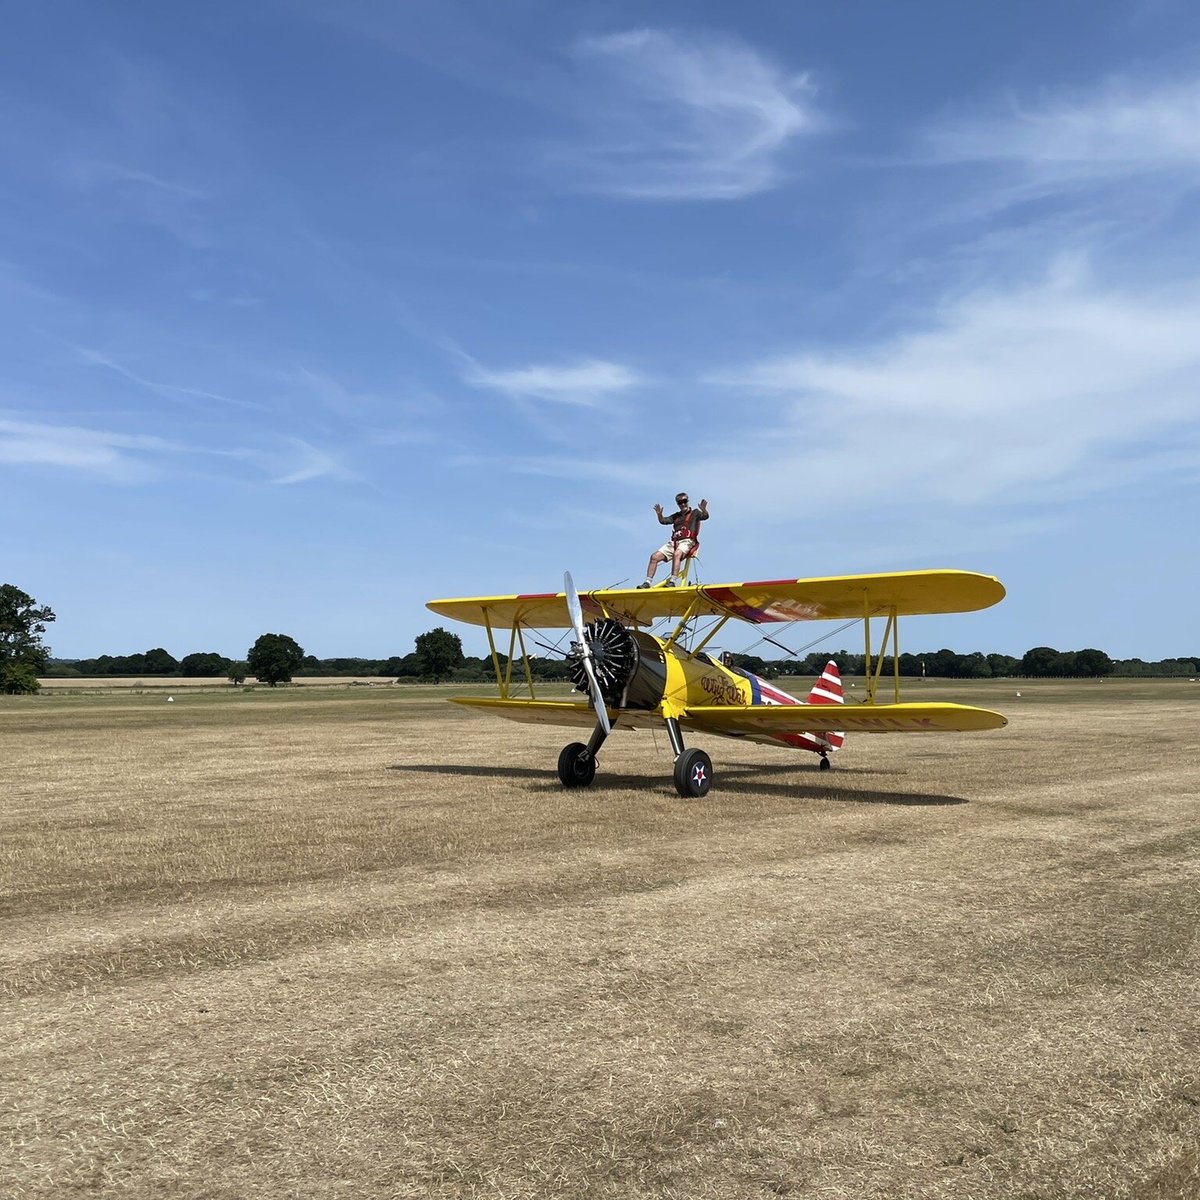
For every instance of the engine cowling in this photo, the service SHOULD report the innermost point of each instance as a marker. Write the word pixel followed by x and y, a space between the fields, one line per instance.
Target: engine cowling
pixel 631 666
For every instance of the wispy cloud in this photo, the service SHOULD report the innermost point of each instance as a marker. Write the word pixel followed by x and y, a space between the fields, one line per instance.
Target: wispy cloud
pixel 118 457
pixel 1117 130
pixel 1011 397
pixel 142 458
pixel 669 117
pixel 131 192
pixel 97 173
pixel 172 390
pixel 299 461
pixel 586 383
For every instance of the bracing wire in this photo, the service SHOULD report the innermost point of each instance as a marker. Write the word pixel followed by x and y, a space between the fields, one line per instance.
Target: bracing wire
pixel 815 642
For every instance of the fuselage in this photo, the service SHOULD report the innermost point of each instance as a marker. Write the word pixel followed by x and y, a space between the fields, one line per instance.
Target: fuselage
pixel 697 680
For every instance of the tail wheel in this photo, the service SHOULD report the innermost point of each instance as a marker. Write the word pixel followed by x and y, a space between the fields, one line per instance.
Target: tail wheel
pixel 693 773
pixel 576 767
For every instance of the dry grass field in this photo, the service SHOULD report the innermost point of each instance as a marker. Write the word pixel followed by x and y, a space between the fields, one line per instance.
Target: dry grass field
pixel 356 942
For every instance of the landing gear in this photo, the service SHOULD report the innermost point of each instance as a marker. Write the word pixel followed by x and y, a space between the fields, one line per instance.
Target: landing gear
pixel 576 767
pixel 693 768
pixel 577 762
pixel 693 773
pixel 825 764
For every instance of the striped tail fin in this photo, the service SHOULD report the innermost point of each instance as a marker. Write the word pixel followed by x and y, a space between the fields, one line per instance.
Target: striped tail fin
pixel 828 690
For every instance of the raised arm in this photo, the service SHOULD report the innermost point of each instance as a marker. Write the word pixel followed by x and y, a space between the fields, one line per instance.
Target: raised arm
pixel 704 510
pixel 658 508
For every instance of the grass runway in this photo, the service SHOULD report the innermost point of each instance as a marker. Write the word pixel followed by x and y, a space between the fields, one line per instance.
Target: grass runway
pixel 357 942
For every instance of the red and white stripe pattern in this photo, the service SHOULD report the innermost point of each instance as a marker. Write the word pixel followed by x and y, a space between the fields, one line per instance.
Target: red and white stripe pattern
pixel 827 690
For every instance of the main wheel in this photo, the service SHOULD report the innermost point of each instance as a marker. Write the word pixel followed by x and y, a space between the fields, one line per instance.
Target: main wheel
pixel 825 763
pixel 576 767
pixel 693 773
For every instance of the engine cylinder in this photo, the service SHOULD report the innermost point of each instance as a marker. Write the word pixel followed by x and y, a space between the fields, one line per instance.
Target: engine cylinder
pixel 630 665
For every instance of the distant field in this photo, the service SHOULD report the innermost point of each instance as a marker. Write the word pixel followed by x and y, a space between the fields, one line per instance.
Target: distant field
pixel 353 941
pixel 157 682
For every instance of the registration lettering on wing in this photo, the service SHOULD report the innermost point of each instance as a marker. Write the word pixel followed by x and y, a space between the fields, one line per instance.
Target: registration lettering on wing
pixel 910 723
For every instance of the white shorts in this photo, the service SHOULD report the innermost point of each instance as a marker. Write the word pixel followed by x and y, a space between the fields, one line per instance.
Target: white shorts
pixel 667 549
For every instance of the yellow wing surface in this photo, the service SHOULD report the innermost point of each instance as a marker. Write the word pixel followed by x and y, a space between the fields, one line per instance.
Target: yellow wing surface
pixel 845 718
pixel 761 719
pixel 837 597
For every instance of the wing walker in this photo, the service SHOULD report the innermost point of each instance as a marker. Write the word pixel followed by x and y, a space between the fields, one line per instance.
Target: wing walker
pixel 635 680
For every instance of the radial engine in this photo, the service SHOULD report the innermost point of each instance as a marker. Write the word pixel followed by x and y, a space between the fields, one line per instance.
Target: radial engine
pixel 631 666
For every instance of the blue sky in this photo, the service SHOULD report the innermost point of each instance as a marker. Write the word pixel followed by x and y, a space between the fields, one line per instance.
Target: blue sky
pixel 312 311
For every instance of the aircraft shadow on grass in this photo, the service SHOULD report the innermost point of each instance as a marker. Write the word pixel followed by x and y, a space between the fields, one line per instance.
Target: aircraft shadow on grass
pixel 746 780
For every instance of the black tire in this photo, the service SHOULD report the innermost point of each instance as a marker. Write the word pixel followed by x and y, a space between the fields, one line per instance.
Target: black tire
pixel 825 764
pixel 576 767
pixel 693 774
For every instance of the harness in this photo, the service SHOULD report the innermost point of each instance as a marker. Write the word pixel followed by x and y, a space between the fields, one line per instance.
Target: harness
pixel 683 529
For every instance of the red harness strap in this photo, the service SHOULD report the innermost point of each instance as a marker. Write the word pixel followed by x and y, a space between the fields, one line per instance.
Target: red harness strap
pixel 683 531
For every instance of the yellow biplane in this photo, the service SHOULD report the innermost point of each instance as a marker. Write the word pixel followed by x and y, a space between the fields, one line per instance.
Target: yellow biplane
pixel 634 679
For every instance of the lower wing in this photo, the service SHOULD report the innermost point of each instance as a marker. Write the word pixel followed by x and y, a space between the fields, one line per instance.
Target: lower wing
pixel 759 718
pixel 539 712
pixel 845 718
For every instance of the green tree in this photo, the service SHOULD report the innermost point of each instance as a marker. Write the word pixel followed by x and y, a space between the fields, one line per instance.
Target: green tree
pixel 22 655
pixel 974 666
pixel 1041 660
pixel 1093 662
pixel 236 672
pixel 274 658
pixel 750 662
pixel 203 663
pixel 438 653
pixel 410 666
pixel 943 664
pixel 18 679
pixel 160 662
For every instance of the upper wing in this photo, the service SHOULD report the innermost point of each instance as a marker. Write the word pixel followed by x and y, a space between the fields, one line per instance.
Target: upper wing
pixel 846 718
pixel 838 597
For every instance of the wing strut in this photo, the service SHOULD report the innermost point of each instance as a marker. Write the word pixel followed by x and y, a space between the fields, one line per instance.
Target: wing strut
pixel 891 631
pixel 504 674
pixel 683 621
pixel 500 684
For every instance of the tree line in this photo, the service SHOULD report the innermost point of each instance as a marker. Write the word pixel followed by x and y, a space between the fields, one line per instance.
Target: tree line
pixel 274 658
pixel 1040 662
pixel 437 655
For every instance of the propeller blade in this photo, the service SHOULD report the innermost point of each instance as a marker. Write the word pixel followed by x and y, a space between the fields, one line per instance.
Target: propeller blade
pixel 585 651
pixel 574 608
pixel 597 696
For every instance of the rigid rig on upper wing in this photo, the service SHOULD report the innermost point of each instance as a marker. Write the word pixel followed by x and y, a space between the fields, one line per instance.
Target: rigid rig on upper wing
pixel 635 680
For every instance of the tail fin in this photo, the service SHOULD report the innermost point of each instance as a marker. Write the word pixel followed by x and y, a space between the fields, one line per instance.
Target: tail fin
pixel 828 690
